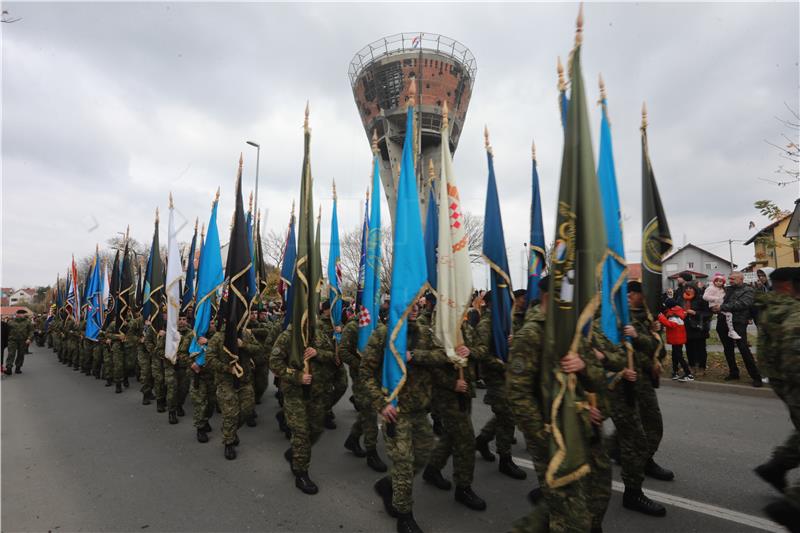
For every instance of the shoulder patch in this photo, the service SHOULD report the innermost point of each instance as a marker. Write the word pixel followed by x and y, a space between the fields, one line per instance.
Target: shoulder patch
pixel 517 365
pixel 276 351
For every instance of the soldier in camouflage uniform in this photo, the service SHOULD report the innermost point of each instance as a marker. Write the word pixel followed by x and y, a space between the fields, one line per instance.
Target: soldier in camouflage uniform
pixel 453 396
pixel 265 333
pixel 154 343
pixel 203 390
pixel 56 327
pixel 779 360
pixel 366 423
pixel 234 394
pixel 20 335
pixel 336 370
pixel 304 411
pixel 97 354
pixel 175 377
pixel 144 355
pixel 407 431
pixel 115 340
pixel 78 355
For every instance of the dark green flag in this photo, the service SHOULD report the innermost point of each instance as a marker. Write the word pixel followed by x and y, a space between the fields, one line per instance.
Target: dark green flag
pixel 575 275
pixel 156 283
pixel 656 240
pixel 306 272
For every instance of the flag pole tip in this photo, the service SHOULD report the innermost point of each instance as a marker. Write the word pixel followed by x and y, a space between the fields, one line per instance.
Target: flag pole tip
pixel 579 26
pixel 216 196
pixel 334 188
pixel 602 85
pixel 375 141
pixel 306 113
pixel 486 139
pixel 412 91
pixel 562 84
pixel 644 114
pixel 445 113
pixel 171 205
pixel 533 150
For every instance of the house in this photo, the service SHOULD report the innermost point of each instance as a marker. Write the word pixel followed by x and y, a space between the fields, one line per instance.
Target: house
pixel 21 296
pixel 694 260
pixel 10 312
pixel 634 272
pixel 793 228
pixel 773 248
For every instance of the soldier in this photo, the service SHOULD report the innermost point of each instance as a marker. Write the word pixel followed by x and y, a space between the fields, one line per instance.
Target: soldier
pixel 264 332
pixel 501 426
pixel 779 359
pixel 366 423
pixel 20 335
pixel 39 330
pixel 406 431
pixel 97 354
pixel 56 328
pixel 175 377
pixel 234 392
pixel 115 340
pixel 337 372
pixel 453 391
pixel 637 416
pixel 305 399
pixel 154 343
pixel 203 391
pixel 78 354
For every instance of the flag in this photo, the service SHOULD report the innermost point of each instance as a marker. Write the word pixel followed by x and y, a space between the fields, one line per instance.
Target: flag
pixel 94 315
pixel 59 296
pixel 209 278
pixel 106 287
pixel 536 246
pixel 362 256
pixel 73 296
pixel 287 271
pixel 113 293
pixel 305 280
pixel 409 270
pixel 494 253
pixel 126 288
pixel 614 289
pixel 317 264
pixel 335 272
pixel 431 232
pixel 656 239
pixel 577 259
pixel 261 265
pixel 370 300
pixel 173 292
pixel 563 103
pixel 188 288
pixel 154 290
pixel 145 294
pixel 453 271
pixel 252 286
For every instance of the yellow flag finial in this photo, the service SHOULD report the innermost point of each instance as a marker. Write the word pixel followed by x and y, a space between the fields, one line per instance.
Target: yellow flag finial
pixel 579 26
pixel 203 231
pixel 128 229
pixel 562 84
pixel 196 220
pixel 319 214
pixel 241 161
pixel 171 205
pixel 486 139
pixel 445 121
pixel 431 170
pixel 292 209
pixel 305 120
pixel 375 141
pixel 216 197
pixel 602 87
pixel 156 215
pixel 412 92
pixel 250 202
pixel 334 188
pixel 644 115
pixel 533 150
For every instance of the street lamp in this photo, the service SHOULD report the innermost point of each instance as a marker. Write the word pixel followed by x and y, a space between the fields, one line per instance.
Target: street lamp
pixel 258 156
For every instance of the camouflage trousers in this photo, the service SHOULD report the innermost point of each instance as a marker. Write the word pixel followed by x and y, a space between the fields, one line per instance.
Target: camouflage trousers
pixel 57 344
pixel 16 353
pixel 176 383
pixel 117 361
pixel 639 430
pixel 501 426
pixel 72 351
pixel 157 369
pixel 788 454
pixel 49 338
pixel 97 359
pixel 366 422
pixel 304 417
pixel 260 380
pixel 458 437
pixel 339 386
pixel 236 404
pixel 131 355
pixel 598 482
pixel 409 450
pixel 145 369
pixel 87 355
pixel 203 394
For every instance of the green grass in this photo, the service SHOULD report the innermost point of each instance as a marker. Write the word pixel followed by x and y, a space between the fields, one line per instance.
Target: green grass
pixel 716 369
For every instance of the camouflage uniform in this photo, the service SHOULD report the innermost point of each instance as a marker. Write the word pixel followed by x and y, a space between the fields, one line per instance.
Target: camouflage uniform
pixel 789 348
pixel 56 327
pixel 78 355
pixel 20 332
pixel 303 415
pixel 265 333
pixel 117 351
pixel 234 395
pixel 175 377
pixel 335 372
pixel 563 509
pixel 413 440
pixel 155 346
pixel 144 355
pixel 97 354
pixel 203 394
pixel 366 423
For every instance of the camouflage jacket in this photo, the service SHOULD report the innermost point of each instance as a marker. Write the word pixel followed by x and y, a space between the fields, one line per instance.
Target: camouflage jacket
pixel 348 348
pixel 133 333
pixel 446 375
pixel 187 334
pixel 492 367
pixel 523 375
pixel 646 342
pixel 20 329
pixel 265 332
pixel 218 360
pixel 789 349
pixel 773 310
pixel 415 395
pixel 291 377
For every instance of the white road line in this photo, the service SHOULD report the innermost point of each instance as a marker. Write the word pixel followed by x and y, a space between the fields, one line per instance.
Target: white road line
pixel 691 505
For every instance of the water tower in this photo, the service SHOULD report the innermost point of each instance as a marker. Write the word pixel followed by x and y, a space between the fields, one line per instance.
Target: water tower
pixel 381 73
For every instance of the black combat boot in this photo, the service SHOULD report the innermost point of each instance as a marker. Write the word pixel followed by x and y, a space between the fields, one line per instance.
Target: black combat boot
pixel 251 421
pixel 18 370
pixel 161 405
pixel 280 416
pixel 173 417
pixel 207 428
pixel 288 456
pixel 150 396
pixel 236 440
pixel 354 446
pixel 145 399
pixel 482 446
pixel 384 489
pixel 180 411
pixel 125 382
pixel 434 477
pixel 230 452
pixel 509 468
pixel 304 483
pixel 374 461
pixel 785 514
pixel 466 496
pixel 535 495
pixel 109 382
pixel 202 436
pixel 655 471
pixel 774 473
pixel 407 524
pixel 635 500
pixel 329 422
pixel 118 390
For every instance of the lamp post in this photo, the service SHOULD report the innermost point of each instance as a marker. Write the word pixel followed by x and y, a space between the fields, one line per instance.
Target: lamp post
pixel 258 156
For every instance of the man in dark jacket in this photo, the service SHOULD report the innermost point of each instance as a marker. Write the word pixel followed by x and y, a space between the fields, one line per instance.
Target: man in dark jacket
pixel 738 300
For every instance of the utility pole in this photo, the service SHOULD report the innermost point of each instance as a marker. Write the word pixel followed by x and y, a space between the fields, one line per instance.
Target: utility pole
pixel 730 250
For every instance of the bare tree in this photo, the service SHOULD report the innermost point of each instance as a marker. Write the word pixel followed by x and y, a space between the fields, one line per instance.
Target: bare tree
pixel 272 246
pixel 790 151
pixel 473 225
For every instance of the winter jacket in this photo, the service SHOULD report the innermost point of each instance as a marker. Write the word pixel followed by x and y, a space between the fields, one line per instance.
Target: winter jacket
pixel 673 321
pixel 738 300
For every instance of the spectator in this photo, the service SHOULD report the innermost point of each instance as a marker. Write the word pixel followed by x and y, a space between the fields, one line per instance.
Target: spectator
pixel 715 295
pixel 696 321
pixel 684 280
pixel 763 284
pixel 672 318
pixel 738 301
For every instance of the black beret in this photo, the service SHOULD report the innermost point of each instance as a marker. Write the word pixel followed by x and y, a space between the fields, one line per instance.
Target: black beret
pixel 520 292
pixel 634 286
pixel 686 276
pixel 785 274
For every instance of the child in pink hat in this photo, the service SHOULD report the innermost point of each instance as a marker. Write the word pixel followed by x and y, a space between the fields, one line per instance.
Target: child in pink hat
pixel 715 295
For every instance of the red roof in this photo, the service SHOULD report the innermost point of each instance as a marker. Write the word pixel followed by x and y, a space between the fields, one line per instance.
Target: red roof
pixel 12 310
pixel 3 301
pixel 692 272
pixel 634 271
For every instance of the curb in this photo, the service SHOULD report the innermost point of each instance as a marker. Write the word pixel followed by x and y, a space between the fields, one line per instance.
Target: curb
pixel 741 390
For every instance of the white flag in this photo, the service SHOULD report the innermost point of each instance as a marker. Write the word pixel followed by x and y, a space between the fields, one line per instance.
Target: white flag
pixel 106 288
pixel 453 271
pixel 174 276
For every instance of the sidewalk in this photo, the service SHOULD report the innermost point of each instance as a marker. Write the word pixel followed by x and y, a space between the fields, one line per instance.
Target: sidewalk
pixel 742 389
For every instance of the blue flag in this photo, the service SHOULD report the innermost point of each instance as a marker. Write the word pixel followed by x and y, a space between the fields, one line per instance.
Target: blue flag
pixel 614 291
pixel 494 252
pixel 431 237
pixel 409 270
pixel 362 256
pixel 287 271
pixel 94 315
pixel 188 288
pixel 146 287
pixel 536 246
pixel 335 273
pixel 252 286
pixel 370 302
pixel 209 279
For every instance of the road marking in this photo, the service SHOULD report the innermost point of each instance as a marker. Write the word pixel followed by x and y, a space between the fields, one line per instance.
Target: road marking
pixel 691 505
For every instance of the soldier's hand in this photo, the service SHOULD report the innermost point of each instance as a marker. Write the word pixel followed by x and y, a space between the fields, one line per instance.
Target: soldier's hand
pixel 202 341
pixel 462 351
pixel 195 368
pixel 306 379
pixel 572 363
pixel 162 333
pixel 655 327
pixel 108 341
pixel 461 385
pixel 630 331
pixel 239 342
pixel 629 374
pixel 598 354
pixel 409 355
pixel 309 353
pixel 389 413
pixel 595 416
pixel 338 329
pixel 510 338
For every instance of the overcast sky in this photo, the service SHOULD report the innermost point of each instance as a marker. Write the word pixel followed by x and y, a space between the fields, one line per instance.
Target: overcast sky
pixel 107 107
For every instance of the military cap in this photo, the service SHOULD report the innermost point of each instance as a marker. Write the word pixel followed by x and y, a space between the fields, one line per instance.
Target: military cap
pixel 785 274
pixel 686 276
pixel 634 286
pixel 520 292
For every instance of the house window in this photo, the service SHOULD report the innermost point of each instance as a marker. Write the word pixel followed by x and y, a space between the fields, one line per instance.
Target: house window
pixel 671 267
pixel 708 267
pixel 689 265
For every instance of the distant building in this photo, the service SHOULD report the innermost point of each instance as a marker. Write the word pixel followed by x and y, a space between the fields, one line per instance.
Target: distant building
pixel 634 272
pixel 772 247
pixel 22 296
pixel 696 261
pixel 11 311
pixel 793 228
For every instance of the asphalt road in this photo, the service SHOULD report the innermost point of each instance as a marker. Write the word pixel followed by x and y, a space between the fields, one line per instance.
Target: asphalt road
pixel 77 457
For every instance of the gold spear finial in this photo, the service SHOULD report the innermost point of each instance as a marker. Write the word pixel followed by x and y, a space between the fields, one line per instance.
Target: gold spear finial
pixel 97 248
pixel 128 229
pixel 367 198
pixel 375 141
pixel 579 26
pixel 486 139
pixel 533 150
pixel 431 171
pixel 292 209
pixel 216 198
pixel 171 206
pixel 241 162
pixel 250 204
pixel 196 220
pixel 602 87
pixel 412 92
pixel 319 214
pixel 562 84
pixel 305 120
pixel 334 189
pixel 203 231
pixel 445 121
pixel 644 115
pixel 156 215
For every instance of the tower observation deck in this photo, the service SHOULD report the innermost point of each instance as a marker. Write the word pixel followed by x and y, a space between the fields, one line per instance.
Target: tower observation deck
pixel 380 75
